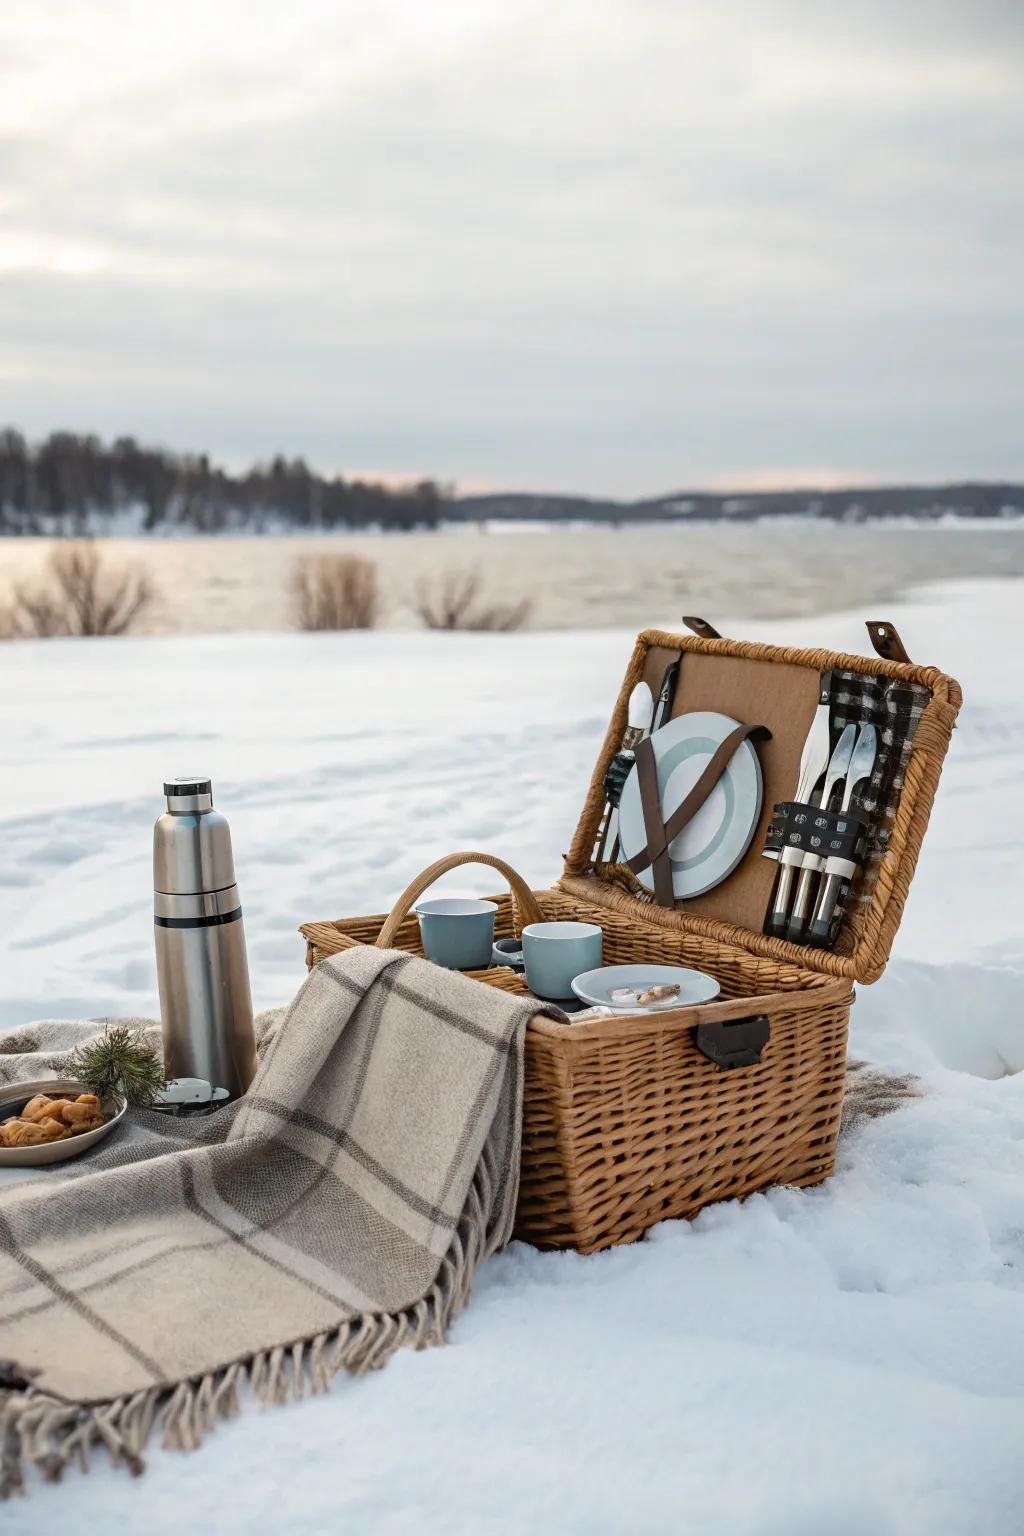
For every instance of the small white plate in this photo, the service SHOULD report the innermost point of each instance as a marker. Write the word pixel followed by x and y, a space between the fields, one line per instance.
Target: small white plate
pixel 594 987
pixel 15 1096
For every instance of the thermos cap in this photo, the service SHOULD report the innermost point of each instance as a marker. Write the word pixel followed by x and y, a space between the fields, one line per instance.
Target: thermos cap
pixel 187 786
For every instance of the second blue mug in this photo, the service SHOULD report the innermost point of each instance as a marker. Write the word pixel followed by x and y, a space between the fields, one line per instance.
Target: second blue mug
pixel 557 952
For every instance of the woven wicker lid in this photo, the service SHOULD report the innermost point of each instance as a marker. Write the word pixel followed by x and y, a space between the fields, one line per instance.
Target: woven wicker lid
pixel 780 682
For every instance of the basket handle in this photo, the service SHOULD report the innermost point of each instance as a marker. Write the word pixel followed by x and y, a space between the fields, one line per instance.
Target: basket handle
pixel 525 908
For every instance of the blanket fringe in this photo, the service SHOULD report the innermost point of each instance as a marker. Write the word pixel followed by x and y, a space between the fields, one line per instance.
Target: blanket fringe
pixel 49 1433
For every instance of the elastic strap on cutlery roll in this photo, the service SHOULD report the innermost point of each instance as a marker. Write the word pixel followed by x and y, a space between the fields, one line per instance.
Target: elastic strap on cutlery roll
pixel 660 833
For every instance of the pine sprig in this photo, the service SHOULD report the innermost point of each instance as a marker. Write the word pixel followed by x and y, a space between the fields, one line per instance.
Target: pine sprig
pixel 120 1062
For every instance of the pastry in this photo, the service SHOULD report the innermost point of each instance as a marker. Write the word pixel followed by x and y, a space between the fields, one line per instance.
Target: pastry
pixel 37 1108
pixel 84 1114
pixel 54 1130
pixel 24 1133
pixel 659 994
pixel 32 1133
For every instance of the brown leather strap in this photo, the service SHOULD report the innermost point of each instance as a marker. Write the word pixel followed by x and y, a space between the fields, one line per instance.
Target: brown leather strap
pixel 886 641
pixel 661 833
pixel 654 826
pixel 701 627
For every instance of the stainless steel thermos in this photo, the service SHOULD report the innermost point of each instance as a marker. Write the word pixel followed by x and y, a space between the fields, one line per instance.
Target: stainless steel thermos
pixel 205 1002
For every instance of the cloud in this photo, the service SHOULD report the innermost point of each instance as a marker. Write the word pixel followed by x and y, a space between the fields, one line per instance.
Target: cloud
pixel 616 245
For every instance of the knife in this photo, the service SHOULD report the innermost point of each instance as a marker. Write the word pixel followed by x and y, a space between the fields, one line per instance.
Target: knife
pixel 837 870
pixel 813 763
pixel 812 863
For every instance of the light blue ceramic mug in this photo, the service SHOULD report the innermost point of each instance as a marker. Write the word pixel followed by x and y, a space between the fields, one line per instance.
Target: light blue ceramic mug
pixel 457 932
pixel 555 953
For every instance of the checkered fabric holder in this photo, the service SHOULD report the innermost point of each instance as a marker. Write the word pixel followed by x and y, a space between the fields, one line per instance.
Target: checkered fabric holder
pixel 894 709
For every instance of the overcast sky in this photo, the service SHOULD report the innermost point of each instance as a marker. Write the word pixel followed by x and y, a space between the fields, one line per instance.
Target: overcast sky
pixel 619 246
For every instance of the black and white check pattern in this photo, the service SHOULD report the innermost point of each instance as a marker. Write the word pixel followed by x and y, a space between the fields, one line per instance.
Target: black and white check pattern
pixel 894 709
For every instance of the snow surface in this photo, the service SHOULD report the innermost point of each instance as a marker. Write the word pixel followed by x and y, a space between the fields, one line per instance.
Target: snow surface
pixel 846 1361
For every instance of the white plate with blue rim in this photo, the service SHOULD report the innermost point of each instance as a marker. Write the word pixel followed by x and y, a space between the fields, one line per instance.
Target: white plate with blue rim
pixel 711 845
pixel 596 987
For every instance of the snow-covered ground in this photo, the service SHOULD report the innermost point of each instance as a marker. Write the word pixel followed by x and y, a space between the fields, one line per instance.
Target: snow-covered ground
pixel 847 1361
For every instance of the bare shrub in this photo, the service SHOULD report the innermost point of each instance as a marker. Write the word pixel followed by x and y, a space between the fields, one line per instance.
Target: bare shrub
pixel 81 594
pixel 454 600
pixel 335 592
pixel 34 613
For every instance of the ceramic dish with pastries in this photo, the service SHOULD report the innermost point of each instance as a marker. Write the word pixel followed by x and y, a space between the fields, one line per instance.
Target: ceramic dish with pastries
pixel 52 1120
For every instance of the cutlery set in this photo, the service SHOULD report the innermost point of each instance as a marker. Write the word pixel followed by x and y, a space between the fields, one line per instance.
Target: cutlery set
pixel 816 837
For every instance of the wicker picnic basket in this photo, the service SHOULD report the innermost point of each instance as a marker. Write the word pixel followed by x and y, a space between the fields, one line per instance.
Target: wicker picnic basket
pixel 632 1119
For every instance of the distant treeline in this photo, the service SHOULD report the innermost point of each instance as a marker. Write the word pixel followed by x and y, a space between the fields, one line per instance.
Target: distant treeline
pixel 72 483
pixel 75 484
pixel 852 504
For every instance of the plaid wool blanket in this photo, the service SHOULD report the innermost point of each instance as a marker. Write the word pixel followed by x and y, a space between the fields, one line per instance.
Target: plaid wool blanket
pixel 335 1213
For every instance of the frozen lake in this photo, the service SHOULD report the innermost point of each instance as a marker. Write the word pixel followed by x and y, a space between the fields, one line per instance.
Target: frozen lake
pixel 577 578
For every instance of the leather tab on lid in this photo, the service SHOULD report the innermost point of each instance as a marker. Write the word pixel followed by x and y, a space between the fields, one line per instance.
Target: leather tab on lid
pixel 701 627
pixel 886 640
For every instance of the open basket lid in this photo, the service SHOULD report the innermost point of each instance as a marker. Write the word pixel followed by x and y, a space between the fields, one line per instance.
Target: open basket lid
pixel 779 687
